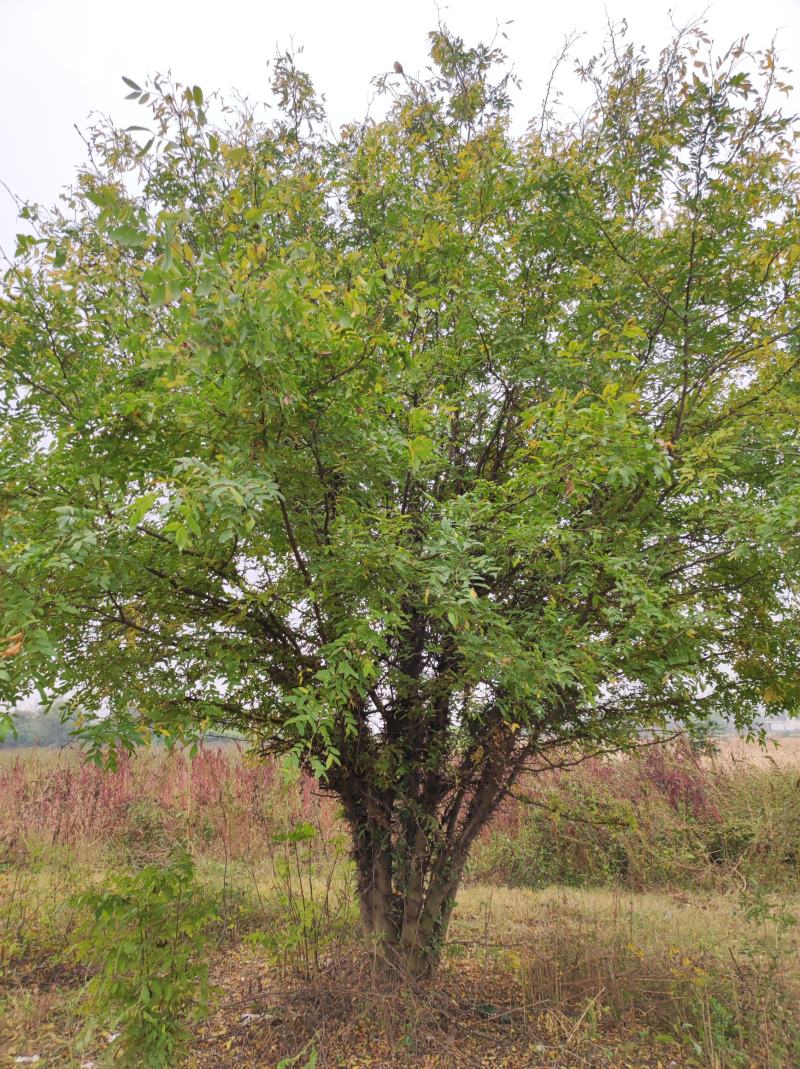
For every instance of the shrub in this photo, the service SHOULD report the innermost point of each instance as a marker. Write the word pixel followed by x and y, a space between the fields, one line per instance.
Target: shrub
pixel 664 818
pixel 146 933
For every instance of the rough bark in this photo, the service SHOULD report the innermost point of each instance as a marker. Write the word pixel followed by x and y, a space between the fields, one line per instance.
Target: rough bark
pixel 409 870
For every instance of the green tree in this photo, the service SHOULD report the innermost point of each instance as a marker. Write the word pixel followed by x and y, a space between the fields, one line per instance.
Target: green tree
pixel 421 453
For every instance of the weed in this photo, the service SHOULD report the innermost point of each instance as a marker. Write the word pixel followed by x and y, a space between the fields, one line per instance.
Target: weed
pixel 145 934
pixel 312 904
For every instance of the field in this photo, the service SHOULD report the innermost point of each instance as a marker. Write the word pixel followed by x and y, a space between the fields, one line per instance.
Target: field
pixel 633 912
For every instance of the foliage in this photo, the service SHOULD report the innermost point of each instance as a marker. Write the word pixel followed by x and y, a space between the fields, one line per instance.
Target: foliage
pixel 219 803
pixel 36 883
pixel 146 935
pixel 605 823
pixel 658 819
pixel 420 452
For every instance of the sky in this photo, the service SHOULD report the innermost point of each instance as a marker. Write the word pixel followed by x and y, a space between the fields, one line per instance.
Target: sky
pixel 61 60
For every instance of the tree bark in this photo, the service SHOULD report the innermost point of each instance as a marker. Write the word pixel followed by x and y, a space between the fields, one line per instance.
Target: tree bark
pixel 406 890
pixel 404 924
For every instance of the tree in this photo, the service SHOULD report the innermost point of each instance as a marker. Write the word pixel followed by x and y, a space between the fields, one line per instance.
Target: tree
pixel 425 453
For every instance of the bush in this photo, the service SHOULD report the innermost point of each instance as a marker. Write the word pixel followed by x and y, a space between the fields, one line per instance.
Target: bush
pixel 146 934
pixel 665 818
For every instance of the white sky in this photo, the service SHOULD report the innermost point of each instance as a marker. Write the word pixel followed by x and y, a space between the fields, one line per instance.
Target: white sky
pixel 62 59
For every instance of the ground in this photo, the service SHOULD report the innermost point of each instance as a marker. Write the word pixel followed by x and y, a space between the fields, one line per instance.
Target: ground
pixel 496 1003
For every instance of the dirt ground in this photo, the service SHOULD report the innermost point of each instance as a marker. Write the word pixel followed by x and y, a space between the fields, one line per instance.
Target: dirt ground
pixel 474 1019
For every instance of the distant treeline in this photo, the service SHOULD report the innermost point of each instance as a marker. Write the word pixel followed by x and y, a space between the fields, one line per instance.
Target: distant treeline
pixel 37 728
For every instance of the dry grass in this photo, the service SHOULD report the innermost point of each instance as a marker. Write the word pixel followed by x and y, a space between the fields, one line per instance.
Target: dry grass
pixel 563 977
pixel 560 978
pixel 707 922
pixel 779 750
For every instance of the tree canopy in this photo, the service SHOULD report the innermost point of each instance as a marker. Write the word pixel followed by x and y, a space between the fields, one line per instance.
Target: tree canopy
pixel 419 452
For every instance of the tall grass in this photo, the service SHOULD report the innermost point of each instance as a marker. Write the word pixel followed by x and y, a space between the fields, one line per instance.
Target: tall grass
pixel 666 817
pixel 218 803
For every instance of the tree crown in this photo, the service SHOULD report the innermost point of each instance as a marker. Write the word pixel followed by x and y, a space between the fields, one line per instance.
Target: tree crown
pixel 419 450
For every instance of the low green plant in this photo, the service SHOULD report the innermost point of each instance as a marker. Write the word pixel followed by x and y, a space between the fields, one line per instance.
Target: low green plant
pixel 294 1062
pixel 146 932
pixel 757 905
pixel 144 835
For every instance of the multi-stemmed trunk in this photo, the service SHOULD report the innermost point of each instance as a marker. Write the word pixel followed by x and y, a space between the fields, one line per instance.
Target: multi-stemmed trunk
pixel 406 895
pixel 406 926
pixel 410 857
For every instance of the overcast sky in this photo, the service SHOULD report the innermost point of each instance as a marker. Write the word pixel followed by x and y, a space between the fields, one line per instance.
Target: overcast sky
pixel 62 59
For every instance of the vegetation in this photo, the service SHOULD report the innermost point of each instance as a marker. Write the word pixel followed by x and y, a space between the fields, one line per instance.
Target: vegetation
pixel 145 935
pixel 665 947
pixel 419 454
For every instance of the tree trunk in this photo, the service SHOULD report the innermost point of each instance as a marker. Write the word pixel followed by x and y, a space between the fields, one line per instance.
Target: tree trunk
pixel 423 936
pixel 405 909
pixel 406 938
pixel 410 851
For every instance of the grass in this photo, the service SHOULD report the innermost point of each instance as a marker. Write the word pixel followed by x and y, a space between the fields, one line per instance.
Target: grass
pixel 635 913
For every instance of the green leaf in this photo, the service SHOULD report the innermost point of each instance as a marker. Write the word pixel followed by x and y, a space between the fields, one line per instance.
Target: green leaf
pixel 7 726
pixel 420 450
pixel 128 236
pixel 139 509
